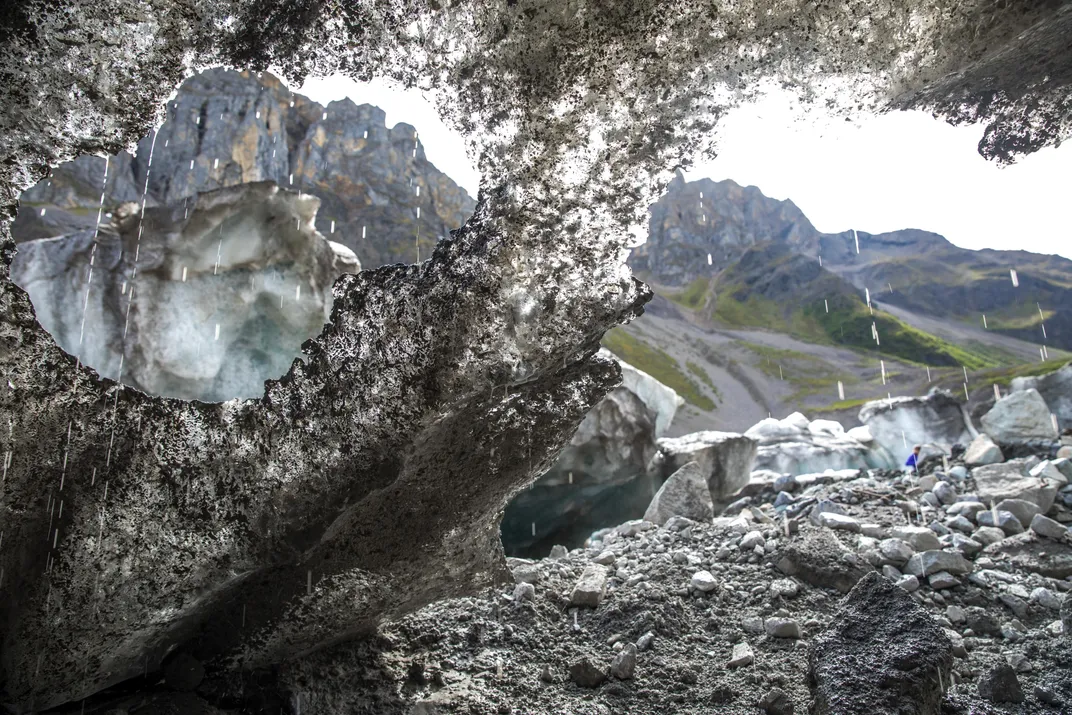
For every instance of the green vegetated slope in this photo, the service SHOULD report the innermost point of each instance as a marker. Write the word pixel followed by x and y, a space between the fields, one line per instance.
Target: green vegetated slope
pixel 773 288
pixel 662 366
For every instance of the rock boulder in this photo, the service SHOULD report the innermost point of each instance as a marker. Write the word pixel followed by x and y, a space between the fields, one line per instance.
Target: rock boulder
pixel 685 494
pixel 881 654
pixel 1019 417
pixel 1055 388
pixel 724 458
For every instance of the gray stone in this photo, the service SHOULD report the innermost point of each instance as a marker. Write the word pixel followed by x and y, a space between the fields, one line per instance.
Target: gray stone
pixel 908 583
pixel 942 579
pixel 736 507
pixel 624 664
pixel 925 563
pixel 1014 603
pixel 684 493
pixel 966 545
pixel 742 655
pixel 945 492
pixel 751 540
pixel 983 450
pixel 1046 598
pixel 1000 685
pixel 1048 470
pixel 604 558
pixel 1055 388
pixel 1019 417
pixel 1066 616
pixel 981 621
pixel 703 581
pixel 645 641
pixel 960 523
pixel 1031 553
pixel 724 458
pixel 819 558
pixel 919 538
pixel 839 521
pixel 558 552
pixel 967 509
pixel 776 702
pixel 524 571
pixel 1044 526
pixel 987 535
pixel 524 592
pixel 895 551
pixel 1023 510
pixel 1003 520
pixel 586 673
pixel 784 588
pixel 1011 481
pixel 880 653
pixel 590 588
pixel 782 628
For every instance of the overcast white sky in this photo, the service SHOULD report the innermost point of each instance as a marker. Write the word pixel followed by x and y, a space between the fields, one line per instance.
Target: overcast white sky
pixel 900 170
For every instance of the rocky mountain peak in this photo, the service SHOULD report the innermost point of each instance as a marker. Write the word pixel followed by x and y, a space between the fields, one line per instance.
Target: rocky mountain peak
pixel 379 194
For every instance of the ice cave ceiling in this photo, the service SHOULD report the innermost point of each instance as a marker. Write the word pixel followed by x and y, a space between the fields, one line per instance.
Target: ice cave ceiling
pixel 131 523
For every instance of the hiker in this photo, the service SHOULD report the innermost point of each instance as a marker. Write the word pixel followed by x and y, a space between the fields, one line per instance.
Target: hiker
pixel 913 459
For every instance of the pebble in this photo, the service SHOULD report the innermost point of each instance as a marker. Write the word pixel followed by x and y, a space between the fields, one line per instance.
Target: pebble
pixel 1006 521
pixel 751 540
pixel 1046 598
pixel 1000 685
pixel 945 492
pixel 558 552
pixel 605 558
pixel 965 544
pixel 838 521
pixel 624 663
pixel 776 702
pixel 1045 526
pixel 586 673
pixel 782 628
pixel 896 550
pixel 987 535
pixel 590 588
pixel 526 573
pixel 645 641
pixel 703 581
pixel 960 523
pixel 524 591
pixel 943 579
pixel 1019 662
pixel 742 656
pixel 908 583
pixel 784 587
pixel 891 572
pixel 919 538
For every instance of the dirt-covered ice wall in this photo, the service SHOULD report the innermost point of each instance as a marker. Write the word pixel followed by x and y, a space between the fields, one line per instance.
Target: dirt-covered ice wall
pixel 370 479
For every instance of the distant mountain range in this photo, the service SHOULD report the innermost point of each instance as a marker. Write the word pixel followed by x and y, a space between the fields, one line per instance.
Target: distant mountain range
pixel 705 233
pixel 379 194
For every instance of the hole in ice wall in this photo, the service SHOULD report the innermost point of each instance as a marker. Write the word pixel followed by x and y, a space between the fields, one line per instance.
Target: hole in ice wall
pixel 197 265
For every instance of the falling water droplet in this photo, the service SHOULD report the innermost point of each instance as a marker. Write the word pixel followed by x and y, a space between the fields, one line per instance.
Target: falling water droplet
pixel 984 322
pixel 857 239
pixel 840 390
pixel 333 227
pixel 297 292
pixel 1015 278
pixel 826 304
pixel 709 259
pixel 997 392
pixel 216 164
pixel 217 332
pixel 184 274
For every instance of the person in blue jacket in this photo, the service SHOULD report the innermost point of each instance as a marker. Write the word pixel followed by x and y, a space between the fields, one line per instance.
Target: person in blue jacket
pixel 913 459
